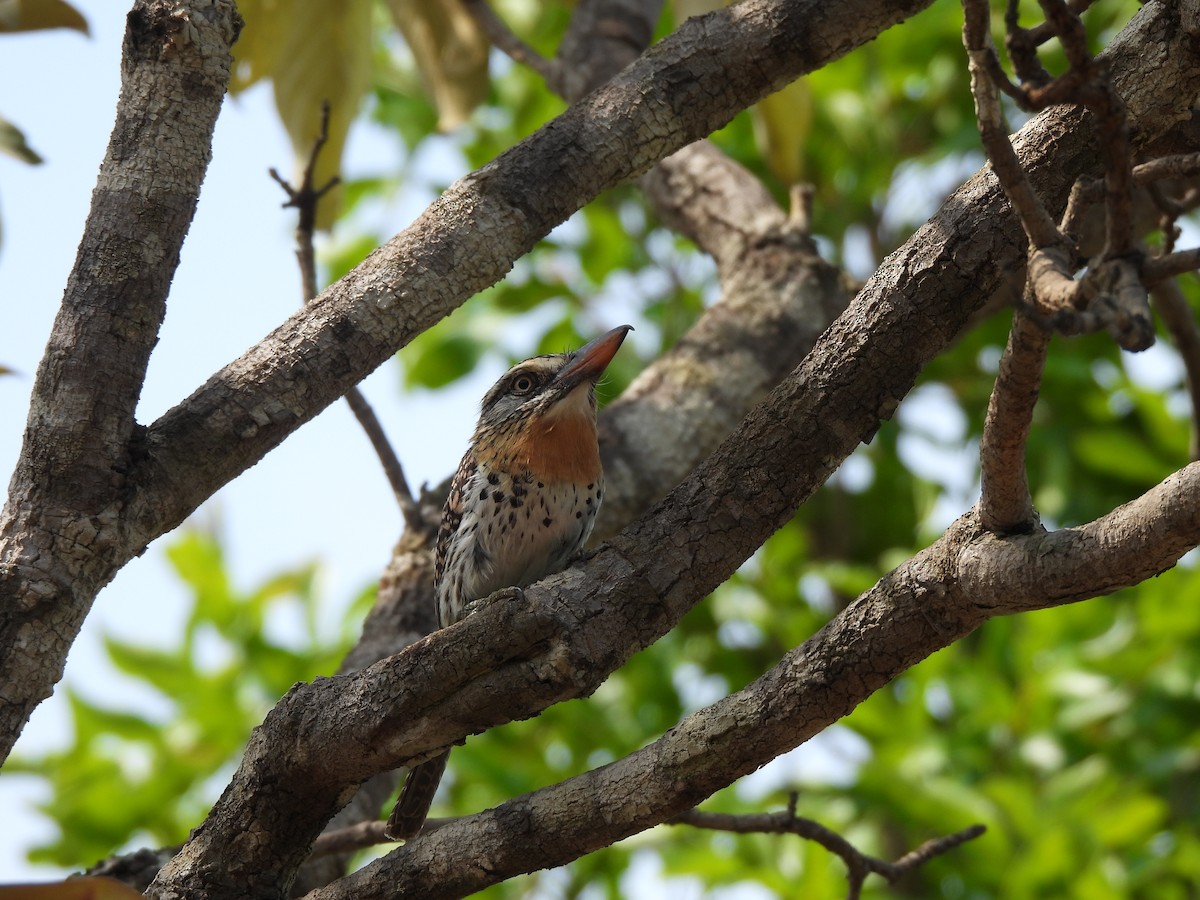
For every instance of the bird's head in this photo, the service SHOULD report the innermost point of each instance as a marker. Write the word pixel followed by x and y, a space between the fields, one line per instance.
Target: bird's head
pixel 545 400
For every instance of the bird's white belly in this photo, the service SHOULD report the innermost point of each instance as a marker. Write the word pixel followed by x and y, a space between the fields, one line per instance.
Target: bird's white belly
pixel 524 532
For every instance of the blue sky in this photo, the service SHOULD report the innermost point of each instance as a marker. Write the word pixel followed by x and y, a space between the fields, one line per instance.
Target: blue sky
pixel 236 281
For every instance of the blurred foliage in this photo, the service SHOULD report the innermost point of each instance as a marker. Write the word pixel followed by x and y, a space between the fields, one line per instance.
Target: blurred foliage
pixel 38 15
pixel 17 16
pixel 145 770
pixel 1069 733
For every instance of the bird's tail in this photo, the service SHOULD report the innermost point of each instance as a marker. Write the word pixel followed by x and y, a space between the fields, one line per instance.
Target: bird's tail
pixel 408 816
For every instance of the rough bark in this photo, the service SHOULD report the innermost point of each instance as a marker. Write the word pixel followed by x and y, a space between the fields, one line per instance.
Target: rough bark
pixel 55 556
pixel 934 599
pixel 511 660
pixel 63 532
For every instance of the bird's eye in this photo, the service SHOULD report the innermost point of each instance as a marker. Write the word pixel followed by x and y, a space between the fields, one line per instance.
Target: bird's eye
pixel 523 384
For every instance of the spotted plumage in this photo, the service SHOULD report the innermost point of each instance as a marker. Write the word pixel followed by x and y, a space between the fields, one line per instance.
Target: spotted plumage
pixel 521 505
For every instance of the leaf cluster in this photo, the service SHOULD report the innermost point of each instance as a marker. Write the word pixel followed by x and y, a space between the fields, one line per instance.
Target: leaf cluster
pixel 143 768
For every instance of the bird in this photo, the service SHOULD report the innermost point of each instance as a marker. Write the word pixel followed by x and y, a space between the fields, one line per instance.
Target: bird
pixel 521 505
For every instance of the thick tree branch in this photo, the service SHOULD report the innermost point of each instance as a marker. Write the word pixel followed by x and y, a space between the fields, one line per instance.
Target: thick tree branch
pixel 693 82
pixel 577 627
pixel 1134 542
pixel 778 296
pixel 63 525
pixel 939 596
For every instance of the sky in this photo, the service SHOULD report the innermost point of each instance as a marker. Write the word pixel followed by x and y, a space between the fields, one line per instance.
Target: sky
pixel 237 279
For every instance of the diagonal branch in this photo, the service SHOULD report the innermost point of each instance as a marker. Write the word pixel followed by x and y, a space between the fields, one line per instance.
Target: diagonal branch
pixel 576 628
pixel 934 599
pixel 695 81
pixel 469 237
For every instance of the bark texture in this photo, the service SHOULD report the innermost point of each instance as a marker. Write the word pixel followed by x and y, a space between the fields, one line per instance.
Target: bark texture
pixel 55 555
pixel 511 660
pixel 65 529
pixel 83 500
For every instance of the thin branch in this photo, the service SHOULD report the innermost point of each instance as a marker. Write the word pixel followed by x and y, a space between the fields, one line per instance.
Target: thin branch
pixel 981 53
pixel 502 37
pixel 305 199
pixel 1022 49
pixel 352 838
pixel 1005 506
pixel 1110 294
pixel 1181 165
pixel 1043 31
pixel 1177 263
pixel 858 864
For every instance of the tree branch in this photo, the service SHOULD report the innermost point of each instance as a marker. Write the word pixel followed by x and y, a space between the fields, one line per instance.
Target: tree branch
pixel 1005 506
pixel 573 629
pixel 305 199
pixel 858 864
pixel 465 242
pixel 63 522
pixel 934 599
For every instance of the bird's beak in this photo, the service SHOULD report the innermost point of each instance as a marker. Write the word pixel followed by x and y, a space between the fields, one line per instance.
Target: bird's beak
pixel 589 361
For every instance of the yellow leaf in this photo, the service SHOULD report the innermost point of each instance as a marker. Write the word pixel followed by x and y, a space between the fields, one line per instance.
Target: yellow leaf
pixel 313 51
pixel 451 53
pixel 257 49
pixel 782 123
pixel 78 888
pixel 36 15
pixel 685 9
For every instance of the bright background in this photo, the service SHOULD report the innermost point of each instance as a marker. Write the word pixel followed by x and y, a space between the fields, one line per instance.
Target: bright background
pixel 237 280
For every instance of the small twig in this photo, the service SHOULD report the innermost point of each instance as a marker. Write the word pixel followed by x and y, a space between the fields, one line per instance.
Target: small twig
pixel 366 834
pixel 1110 294
pixel 1042 32
pixel 305 199
pixel 502 37
pixel 1039 227
pixel 858 864
pixel 1182 165
pixel 351 838
pixel 1022 49
pixel 1173 307
pixel 1177 263
pixel 1005 506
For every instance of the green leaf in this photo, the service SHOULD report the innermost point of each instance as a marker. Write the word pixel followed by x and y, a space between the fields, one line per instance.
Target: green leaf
pixel 38 15
pixel 451 52
pixel 12 142
pixel 433 361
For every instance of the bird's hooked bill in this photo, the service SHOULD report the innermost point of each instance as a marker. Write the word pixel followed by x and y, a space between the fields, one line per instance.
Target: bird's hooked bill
pixel 589 361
